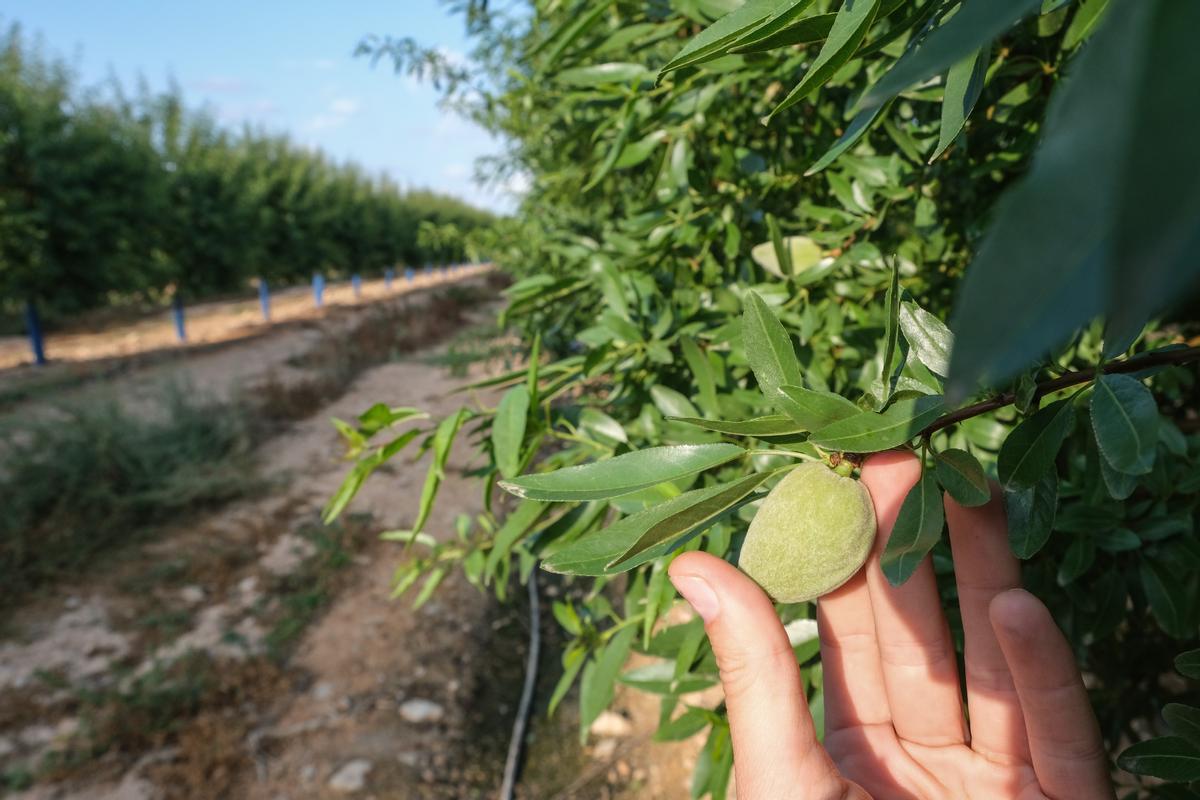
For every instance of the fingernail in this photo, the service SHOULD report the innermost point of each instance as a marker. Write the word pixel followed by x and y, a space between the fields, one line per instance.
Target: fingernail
pixel 697 592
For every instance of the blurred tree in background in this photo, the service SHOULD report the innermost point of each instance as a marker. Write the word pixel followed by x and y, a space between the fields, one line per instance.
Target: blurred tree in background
pixel 110 200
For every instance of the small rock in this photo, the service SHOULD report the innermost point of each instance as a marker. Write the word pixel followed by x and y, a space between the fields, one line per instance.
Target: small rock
pixel 623 769
pixel 409 758
pixel 192 595
pixel 610 724
pixel 308 773
pixel 420 711
pixel 604 749
pixel 351 777
pixel 7 747
pixel 323 690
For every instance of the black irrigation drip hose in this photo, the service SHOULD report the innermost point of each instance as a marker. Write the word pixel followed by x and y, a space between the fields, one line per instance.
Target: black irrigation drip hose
pixel 516 744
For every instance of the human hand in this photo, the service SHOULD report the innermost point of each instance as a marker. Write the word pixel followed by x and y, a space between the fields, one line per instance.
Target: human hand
pixel 894 722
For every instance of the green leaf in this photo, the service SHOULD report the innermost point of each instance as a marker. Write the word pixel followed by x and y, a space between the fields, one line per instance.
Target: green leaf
pixel 508 429
pixel 772 425
pixel 1090 13
pixel 706 506
pixel 443 438
pixel 976 24
pixel 918 528
pixel 854 131
pixel 870 432
pixel 963 477
pixel 671 403
pixel 803 253
pixel 381 415
pixel 964 84
pixel 1167 596
pixel 1157 221
pixel 803 31
pixel 1184 721
pixel 891 307
pixel 572 660
pixel 768 347
pixel 1117 540
pixel 1070 241
pixel 1120 485
pixel 931 341
pixel 713 41
pixel 1125 421
pixel 516 525
pixel 600 677
pixel 1188 663
pixel 600 427
pixel 702 373
pixel 627 124
pixel 1078 559
pixel 1029 451
pixel 781 19
pixel 1030 511
pixel 624 474
pixel 602 74
pixel 812 409
pixel 593 552
pixel 1171 758
pixel 562 39
pixel 850 27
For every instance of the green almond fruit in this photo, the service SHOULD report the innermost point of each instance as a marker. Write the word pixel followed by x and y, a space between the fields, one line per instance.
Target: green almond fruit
pixel 810 535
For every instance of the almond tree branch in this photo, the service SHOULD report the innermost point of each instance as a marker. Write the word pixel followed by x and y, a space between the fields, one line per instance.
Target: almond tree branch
pixel 1136 364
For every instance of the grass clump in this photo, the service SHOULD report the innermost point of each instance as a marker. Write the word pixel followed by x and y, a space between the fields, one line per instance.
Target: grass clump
pixel 93 476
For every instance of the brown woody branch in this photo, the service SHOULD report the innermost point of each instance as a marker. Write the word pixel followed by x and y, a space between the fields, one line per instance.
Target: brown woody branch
pixel 1137 364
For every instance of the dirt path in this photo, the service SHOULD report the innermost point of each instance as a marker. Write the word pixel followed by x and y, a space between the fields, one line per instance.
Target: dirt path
pixel 254 653
pixel 217 321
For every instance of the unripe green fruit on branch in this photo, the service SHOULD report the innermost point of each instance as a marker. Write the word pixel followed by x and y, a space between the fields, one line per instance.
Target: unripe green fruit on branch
pixel 810 535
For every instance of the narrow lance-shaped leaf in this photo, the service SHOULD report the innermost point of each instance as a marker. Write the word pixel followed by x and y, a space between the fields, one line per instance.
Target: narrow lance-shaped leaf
pixel 963 477
pixel 1030 512
pixel 624 474
pixel 1043 269
pixel 977 23
pixel 1170 758
pixel 813 409
pixel 784 17
pixel 853 20
pixel 443 438
pixel 918 528
pixel 1157 219
pixel 508 429
pixel 1125 421
pixel 964 84
pixel 707 507
pixel 1184 720
pixel 869 432
pixel 712 42
pixel 1029 451
pixel 516 525
pixel 593 552
pixel 1188 663
pixel 854 131
pixel 891 305
pixel 929 338
pixel 768 347
pixel 599 677
pixel 702 373
pixel 772 425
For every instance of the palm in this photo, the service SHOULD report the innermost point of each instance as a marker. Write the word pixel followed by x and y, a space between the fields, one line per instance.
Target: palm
pixel 895 723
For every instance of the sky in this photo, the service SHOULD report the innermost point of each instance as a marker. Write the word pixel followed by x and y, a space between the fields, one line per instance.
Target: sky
pixel 287 67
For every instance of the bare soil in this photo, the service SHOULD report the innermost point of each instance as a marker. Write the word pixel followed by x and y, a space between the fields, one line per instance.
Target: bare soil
pixel 253 653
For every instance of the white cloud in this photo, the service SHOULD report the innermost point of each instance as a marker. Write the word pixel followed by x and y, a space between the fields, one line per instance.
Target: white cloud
pixel 337 114
pixel 221 84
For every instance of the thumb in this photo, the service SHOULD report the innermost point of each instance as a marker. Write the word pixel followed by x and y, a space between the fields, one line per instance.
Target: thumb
pixel 775 748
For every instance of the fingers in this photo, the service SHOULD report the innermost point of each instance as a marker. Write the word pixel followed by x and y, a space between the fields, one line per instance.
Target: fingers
pixel 775 748
pixel 984 566
pixel 853 678
pixel 920 672
pixel 1064 740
